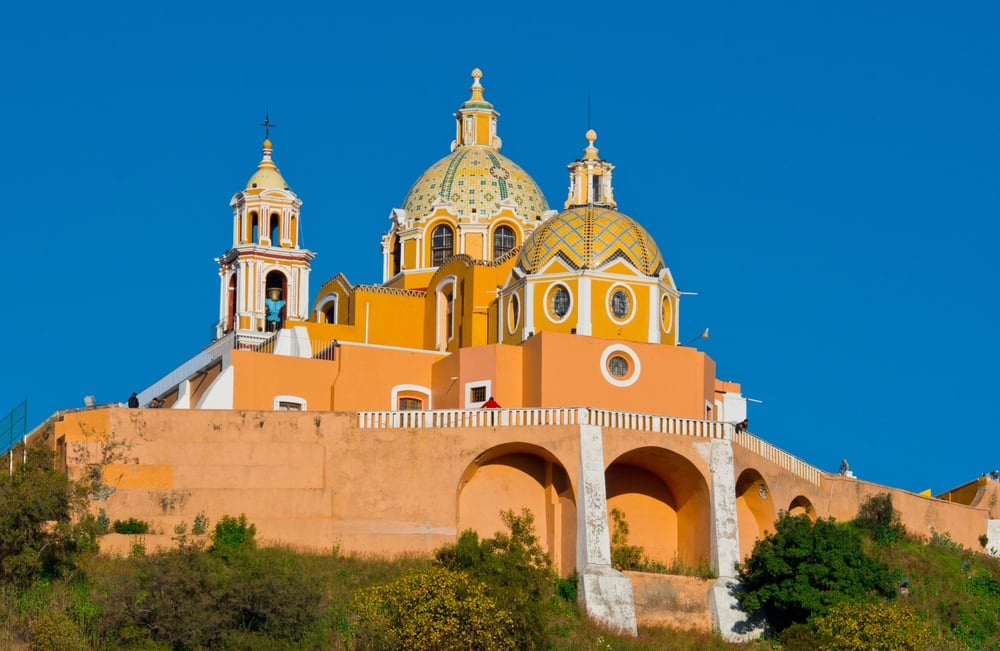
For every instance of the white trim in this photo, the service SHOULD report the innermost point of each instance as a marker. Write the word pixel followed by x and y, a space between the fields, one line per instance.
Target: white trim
pixel 629 354
pixel 301 402
pixel 468 393
pixel 546 304
pixel 652 318
pixel 633 306
pixel 440 342
pixel 512 323
pixel 664 326
pixel 415 388
pixel 584 322
pixel 332 297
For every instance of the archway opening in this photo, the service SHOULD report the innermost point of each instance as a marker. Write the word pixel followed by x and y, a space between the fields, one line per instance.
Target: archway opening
pixel 755 511
pixel 275 300
pixel 664 499
pixel 802 506
pixel 516 476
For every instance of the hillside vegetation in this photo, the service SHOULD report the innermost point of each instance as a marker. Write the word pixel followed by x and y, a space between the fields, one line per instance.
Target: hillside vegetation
pixel 822 585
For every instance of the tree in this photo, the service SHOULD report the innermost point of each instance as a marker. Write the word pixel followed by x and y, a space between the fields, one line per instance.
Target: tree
pixel 517 571
pixel 877 516
pixel 41 523
pixel 803 568
pixel 433 609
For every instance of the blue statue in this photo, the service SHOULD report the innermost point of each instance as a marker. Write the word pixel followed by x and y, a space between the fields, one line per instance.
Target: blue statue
pixel 273 312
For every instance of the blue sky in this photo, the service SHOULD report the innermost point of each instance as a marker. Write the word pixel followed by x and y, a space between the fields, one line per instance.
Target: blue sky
pixel 824 176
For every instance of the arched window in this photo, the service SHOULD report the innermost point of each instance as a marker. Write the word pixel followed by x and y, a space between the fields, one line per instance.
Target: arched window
pixel 503 241
pixel 442 244
pixel 275 230
pixel 231 302
pixel 397 250
pixel 254 228
pixel 275 293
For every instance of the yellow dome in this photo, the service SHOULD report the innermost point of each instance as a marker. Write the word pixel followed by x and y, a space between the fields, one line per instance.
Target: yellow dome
pixel 267 176
pixel 476 179
pixel 587 237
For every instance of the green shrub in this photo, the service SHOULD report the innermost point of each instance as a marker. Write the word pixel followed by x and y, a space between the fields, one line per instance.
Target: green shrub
pixel 803 568
pixel 431 610
pixel 132 526
pixel 53 630
pixel 232 536
pixel 269 591
pixel 38 505
pixel 880 520
pixel 516 570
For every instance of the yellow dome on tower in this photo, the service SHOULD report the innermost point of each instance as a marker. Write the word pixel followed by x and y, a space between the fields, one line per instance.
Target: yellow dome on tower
pixel 267 176
pixel 476 177
pixel 588 237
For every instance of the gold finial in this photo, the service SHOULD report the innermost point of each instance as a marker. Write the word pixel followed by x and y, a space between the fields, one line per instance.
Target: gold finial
pixel 591 150
pixel 476 88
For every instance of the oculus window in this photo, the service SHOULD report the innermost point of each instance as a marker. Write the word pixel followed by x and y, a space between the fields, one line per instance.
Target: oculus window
pixel 559 301
pixel 618 366
pixel 621 304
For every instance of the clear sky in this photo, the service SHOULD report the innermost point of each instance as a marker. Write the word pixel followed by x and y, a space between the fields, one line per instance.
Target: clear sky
pixel 823 175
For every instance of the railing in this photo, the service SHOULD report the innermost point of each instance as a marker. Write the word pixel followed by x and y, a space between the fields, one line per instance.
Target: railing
pixel 660 424
pixel 440 418
pixel 209 354
pixel 778 456
pixel 454 418
pixel 13 427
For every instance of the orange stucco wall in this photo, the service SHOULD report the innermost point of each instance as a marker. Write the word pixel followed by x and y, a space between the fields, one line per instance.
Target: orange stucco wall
pixel 317 479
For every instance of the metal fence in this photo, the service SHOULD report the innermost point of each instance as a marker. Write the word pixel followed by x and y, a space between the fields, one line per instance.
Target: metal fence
pixel 14 427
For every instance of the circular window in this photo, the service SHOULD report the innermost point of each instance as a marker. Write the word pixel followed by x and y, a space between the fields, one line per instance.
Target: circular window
pixel 513 313
pixel 667 315
pixel 618 366
pixel 559 301
pixel 620 303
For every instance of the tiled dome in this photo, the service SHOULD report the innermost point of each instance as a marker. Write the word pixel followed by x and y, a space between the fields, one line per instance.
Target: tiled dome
pixel 476 178
pixel 587 237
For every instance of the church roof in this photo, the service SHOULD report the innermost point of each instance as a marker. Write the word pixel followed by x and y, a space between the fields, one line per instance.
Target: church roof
pixel 267 176
pixel 587 237
pixel 476 177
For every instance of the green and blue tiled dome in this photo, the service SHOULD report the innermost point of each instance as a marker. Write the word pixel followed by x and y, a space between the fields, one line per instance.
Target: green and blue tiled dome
pixel 475 179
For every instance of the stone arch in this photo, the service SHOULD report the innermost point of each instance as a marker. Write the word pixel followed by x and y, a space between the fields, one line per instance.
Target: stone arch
pixel 665 501
pixel 755 512
pixel 801 505
pixel 515 476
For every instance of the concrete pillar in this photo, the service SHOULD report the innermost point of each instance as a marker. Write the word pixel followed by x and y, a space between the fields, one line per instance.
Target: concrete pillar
pixel 727 616
pixel 993 537
pixel 605 593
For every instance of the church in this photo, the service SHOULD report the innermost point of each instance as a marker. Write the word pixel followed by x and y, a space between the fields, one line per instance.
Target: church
pixel 515 355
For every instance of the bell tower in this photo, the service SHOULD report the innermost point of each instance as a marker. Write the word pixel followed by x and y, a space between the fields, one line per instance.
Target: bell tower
pixel 264 277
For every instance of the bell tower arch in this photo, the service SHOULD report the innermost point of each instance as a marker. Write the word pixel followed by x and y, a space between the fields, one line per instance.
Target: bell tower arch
pixel 266 264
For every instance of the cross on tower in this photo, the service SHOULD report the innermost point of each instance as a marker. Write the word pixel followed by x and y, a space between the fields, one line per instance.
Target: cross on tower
pixel 267 124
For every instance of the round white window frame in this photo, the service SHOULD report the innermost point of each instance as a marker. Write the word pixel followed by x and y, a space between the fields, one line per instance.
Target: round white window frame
pixel 512 325
pixel 663 325
pixel 631 308
pixel 630 356
pixel 549 312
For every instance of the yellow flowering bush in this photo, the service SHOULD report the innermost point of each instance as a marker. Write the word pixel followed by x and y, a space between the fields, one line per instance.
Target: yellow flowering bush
pixel 872 627
pixel 433 609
